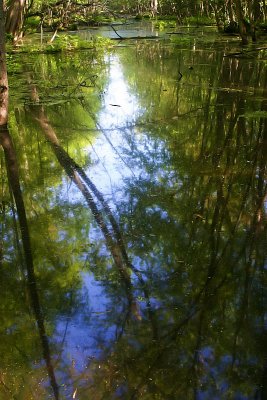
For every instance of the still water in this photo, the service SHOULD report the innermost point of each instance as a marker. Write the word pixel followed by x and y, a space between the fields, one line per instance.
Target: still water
pixel 143 177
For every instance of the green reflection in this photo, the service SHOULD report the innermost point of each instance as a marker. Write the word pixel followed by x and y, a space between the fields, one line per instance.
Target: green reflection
pixel 191 216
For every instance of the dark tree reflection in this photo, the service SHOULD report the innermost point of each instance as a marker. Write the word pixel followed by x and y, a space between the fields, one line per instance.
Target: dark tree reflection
pixel 13 176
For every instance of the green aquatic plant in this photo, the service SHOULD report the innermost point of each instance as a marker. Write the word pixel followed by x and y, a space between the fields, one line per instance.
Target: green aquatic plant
pixel 63 43
pixel 181 40
pixel 161 25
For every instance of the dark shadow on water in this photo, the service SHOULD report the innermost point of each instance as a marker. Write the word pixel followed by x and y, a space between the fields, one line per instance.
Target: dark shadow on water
pixel 13 177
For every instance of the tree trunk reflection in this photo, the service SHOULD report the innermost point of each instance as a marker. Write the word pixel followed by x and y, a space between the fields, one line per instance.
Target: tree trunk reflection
pixel 114 240
pixel 13 176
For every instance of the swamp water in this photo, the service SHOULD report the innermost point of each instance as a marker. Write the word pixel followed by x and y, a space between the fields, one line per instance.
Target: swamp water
pixel 143 174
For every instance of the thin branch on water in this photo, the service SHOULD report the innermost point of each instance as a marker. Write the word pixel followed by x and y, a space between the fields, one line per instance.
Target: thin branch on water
pixel 112 27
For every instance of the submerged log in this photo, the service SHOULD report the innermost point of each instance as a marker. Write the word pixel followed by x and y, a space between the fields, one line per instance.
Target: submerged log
pixel 135 37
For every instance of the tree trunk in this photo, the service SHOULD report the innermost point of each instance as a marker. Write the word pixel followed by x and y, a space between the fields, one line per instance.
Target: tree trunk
pixel 241 22
pixel 217 18
pixel 252 8
pixel 154 7
pixel 264 10
pixel 230 12
pixel 15 18
pixel 256 13
pixel 3 72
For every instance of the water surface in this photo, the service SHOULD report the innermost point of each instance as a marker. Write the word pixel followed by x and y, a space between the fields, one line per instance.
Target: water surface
pixel 143 174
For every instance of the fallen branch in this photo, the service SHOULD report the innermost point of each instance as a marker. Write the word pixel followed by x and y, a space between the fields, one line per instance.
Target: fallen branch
pixel 135 37
pixel 174 33
pixel 112 27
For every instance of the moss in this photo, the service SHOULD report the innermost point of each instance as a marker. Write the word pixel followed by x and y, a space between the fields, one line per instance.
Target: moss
pixel 200 21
